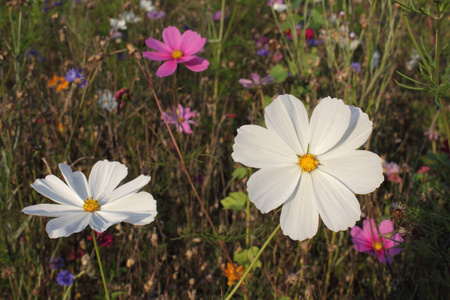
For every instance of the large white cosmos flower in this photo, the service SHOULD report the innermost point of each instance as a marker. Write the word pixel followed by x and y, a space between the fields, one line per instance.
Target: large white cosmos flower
pixel 311 167
pixel 97 202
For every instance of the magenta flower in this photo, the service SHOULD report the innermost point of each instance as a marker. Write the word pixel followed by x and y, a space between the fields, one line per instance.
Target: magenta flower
pixel 392 171
pixel 180 118
pixel 176 49
pixel 379 243
pixel 255 81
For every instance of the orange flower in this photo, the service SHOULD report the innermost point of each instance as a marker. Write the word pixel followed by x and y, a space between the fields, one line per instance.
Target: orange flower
pixel 230 274
pixel 60 82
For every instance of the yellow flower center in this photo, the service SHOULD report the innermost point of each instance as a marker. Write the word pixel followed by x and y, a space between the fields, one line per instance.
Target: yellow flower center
pixel 180 120
pixel 176 54
pixel 308 162
pixel 377 246
pixel 91 205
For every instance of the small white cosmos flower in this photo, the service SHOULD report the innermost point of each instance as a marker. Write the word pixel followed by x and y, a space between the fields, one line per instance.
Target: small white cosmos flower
pixel 98 202
pixel 311 167
pixel 107 100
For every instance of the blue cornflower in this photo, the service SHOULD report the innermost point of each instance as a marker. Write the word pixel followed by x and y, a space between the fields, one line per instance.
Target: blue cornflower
pixel 263 52
pixel 57 263
pixel 75 76
pixel 356 67
pixel 64 278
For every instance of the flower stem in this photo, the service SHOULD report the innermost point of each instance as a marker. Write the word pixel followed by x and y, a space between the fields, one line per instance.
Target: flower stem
pixel 253 262
pixel 94 238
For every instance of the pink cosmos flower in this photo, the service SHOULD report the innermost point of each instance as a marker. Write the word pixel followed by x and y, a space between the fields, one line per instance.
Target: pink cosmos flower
pixel 180 117
pixel 392 171
pixel 176 49
pixel 423 169
pixel 379 243
pixel 255 81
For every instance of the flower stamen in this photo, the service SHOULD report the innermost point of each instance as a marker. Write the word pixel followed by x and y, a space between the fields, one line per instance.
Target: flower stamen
pixel 91 205
pixel 308 162
pixel 377 246
pixel 176 54
pixel 180 120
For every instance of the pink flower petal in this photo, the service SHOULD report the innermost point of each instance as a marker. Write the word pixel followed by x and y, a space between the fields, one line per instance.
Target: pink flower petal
pixel 186 127
pixel 156 56
pixel 166 69
pixel 198 64
pixel 186 58
pixel 256 78
pixel 246 83
pixel 386 227
pixel 172 37
pixel 158 46
pixel 191 42
pixel 361 241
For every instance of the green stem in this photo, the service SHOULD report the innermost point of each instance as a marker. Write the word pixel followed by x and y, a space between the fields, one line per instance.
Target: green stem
pixel 94 238
pixel 437 57
pixel 253 262
pixel 330 260
pixel 413 39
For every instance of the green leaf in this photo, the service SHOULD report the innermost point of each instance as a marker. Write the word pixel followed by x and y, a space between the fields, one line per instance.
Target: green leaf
pixel 235 201
pixel 267 100
pixel 278 73
pixel 239 173
pixel 246 257
pixel 318 20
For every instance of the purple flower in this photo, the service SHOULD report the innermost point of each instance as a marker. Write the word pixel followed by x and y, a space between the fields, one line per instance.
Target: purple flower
pixel 217 15
pixel 263 52
pixel 64 278
pixel 255 81
pixel 381 245
pixel 180 118
pixel 156 15
pixel 177 48
pixel 57 263
pixel 356 67
pixel 75 76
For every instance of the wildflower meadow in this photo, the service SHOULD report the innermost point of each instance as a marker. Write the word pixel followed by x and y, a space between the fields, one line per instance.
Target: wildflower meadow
pixel 214 149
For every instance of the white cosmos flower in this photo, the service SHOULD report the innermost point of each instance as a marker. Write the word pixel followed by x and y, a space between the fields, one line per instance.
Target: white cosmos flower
pixel 107 100
pixel 98 202
pixel 311 167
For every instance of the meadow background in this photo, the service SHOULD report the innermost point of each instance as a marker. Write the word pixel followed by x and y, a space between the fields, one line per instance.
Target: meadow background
pixel 389 60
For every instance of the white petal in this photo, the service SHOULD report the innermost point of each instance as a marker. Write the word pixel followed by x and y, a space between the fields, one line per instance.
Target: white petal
pixel 65 226
pixel 129 188
pixel 76 181
pixel 254 146
pixel 51 210
pixel 286 117
pixel 140 208
pixel 357 132
pixel 329 122
pixel 55 189
pixel 105 177
pixel 361 171
pixel 299 216
pixel 337 205
pixel 102 220
pixel 268 188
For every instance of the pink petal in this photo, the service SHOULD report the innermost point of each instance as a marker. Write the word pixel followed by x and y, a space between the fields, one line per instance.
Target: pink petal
pixel 198 64
pixel 246 83
pixel 172 37
pixel 386 227
pixel 156 56
pixel 256 78
pixel 158 46
pixel 186 58
pixel 166 69
pixel 361 241
pixel 191 42
pixel 181 110
pixel 186 127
